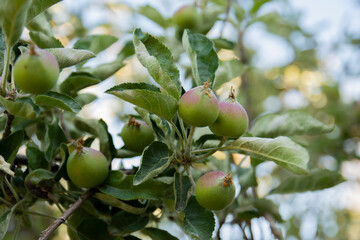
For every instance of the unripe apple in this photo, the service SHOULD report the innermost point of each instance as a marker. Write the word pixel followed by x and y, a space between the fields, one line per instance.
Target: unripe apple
pixel 137 135
pixel 187 17
pixel 87 167
pixel 36 71
pixel 232 121
pixel 215 190
pixel 199 107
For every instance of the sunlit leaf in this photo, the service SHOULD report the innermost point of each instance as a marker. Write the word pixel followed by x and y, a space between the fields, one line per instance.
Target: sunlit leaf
pixel 112 201
pixel 158 60
pixel 38 6
pixel 148 97
pixel 204 60
pixel 281 150
pixel 289 123
pixel 199 222
pixel 58 100
pixel 67 57
pixel 77 81
pixel 155 160
pixel 182 191
pixel 158 234
pixel 317 179
pixel 45 41
pixel 18 108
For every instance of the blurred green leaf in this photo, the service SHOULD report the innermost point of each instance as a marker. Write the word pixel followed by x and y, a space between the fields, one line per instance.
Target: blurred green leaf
pixel 93 229
pixel 105 70
pixel 64 153
pixel 155 159
pixel 58 100
pixel 148 97
pixel 5 217
pixel 2 50
pixel 281 150
pixel 95 43
pixel 125 223
pixel 288 123
pixel 160 126
pixel 255 208
pixel 10 145
pixel 12 19
pixel 53 139
pixel 154 15
pixel 44 41
pixel 158 234
pixel 18 108
pixel 36 158
pixel 246 177
pixel 159 61
pixel 37 7
pixel 98 129
pixel 199 222
pixel 317 179
pixel 112 201
pixel 77 81
pixel 85 98
pixel 67 57
pixel 41 24
pixel 182 191
pixel 227 71
pixel 204 60
pixel 257 5
pixel 123 188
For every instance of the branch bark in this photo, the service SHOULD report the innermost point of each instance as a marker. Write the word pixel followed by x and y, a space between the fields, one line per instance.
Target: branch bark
pixel 10 119
pixel 47 232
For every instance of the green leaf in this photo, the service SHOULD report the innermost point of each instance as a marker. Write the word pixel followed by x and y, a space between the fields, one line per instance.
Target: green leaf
pixel 158 234
pixel 41 24
pixel 36 158
pixel 53 139
pixel 227 71
pixel 148 97
pixel 317 179
pixel 204 60
pixel 255 208
pixel 160 126
pixel 182 191
pixel 77 81
pixel 2 50
pixel 158 60
pixel 38 6
pixel 44 41
pixel 112 201
pixel 62 173
pixel 55 99
pixel 99 129
pixel 93 229
pixel 246 177
pixel 5 217
pixel 10 145
pixel 67 57
pixel 12 19
pixel 105 70
pixel 281 150
pixel 288 123
pixel 123 188
pixel 154 15
pixel 95 43
pixel 85 98
pixel 39 182
pixel 18 108
pixel 125 223
pixel 5 167
pixel 257 5
pixel 199 222
pixel 155 160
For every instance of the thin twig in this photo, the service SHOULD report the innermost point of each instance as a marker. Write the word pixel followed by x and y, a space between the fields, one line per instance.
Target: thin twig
pixel 189 142
pixel 47 232
pixel 62 124
pixel 221 223
pixel 250 228
pixel 243 230
pixel 223 140
pixel 226 17
pixel 275 231
pixel 10 119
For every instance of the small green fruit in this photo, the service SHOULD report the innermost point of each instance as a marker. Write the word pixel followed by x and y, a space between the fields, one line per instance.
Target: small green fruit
pixel 187 17
pixel 137 135
pixel 215 190
pixel 232 121
pixel 36 71
pixel 87 167
pixel 199 107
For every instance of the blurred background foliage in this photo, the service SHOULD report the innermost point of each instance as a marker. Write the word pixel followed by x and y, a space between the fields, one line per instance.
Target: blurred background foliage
pixel 288 54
